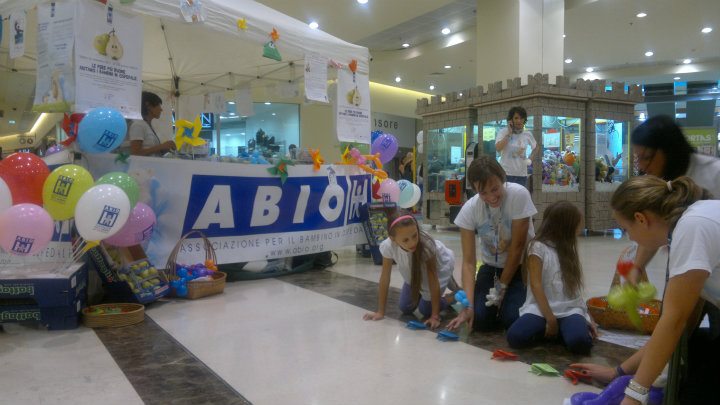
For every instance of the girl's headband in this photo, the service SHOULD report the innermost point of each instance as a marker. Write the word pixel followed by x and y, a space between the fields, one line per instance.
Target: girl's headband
pixel 400 218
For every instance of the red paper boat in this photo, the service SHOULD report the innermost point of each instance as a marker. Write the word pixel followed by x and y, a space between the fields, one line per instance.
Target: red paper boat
pixel 503 355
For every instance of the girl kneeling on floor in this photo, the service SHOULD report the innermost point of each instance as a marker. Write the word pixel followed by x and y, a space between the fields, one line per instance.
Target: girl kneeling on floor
pixel 554 304
pixel 425 264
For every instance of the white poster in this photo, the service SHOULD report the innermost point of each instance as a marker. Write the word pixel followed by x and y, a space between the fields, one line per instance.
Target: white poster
pixel 55 79
pixel 316 77
pixel 243 101
pixel 16 41
pixel 108 59
pixel 353 107
pixel 215 103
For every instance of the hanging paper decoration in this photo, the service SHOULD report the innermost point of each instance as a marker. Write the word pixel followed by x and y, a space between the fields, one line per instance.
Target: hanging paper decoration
pixel 70 126
pixel 242 24
pixel 269 50
pixel 188 133
pixel 353 65
pixel 192 10
pixel 317 159
pixel 281 169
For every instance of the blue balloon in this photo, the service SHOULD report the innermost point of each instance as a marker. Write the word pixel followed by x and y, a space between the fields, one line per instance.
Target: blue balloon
pixel 182 291
pixel 182 272
pixel 374 135
pixel 101 130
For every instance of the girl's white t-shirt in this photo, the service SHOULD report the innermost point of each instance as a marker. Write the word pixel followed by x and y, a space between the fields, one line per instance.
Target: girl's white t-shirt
pixel 513 155
pixel 493 225
pixel 694 246
pixel 444 259
pixel 552 283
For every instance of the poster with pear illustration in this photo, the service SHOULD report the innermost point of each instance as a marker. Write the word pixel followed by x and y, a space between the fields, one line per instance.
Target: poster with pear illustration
pixel 108 59
pixel 353 106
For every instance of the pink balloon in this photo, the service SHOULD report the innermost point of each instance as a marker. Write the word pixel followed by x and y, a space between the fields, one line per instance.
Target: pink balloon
pixel 389 191
pixel 25 229
pixel 137 229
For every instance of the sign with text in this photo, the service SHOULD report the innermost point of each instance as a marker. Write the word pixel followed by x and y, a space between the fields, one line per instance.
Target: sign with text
pixel 353 107
pixel 55 79
pixel 403 128
pixel 704 139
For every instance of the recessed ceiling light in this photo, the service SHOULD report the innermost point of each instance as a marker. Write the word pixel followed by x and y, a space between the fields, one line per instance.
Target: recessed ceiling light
pixel 641 15
pixel 448 66
pixel 459 94
pixel 432 87
pixel 564 35
pixel 686 61
pixel 274 114
pixel 232 113
pixel 267 103
pixel 362 1
pixel 706 30
pixel 445 31
pixel 568 60
pixel 231 102
pixel 314 25
pixel 228 134
pixel 676 78
pixel 589 70
pixel 398 79
pixel 11 122
pixel 405 45
pixel 649 53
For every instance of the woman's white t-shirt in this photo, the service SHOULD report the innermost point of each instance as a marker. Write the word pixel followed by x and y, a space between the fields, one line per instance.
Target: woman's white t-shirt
pixel 694 246
pixel 513 156
pixel 553 286
pixel 444 259
pixel 140 130
pixel 493 225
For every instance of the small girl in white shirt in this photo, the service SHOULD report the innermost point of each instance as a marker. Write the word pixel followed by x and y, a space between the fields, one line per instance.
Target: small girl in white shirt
pixel 425 264
pixel 554 306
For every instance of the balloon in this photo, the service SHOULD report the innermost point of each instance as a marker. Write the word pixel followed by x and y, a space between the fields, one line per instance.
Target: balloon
pixel 389 191
pixel 415 197
pixel 101 212
pixel 419 138
pixel 406 193
pixel 63 188
pixel 374 135
pixel 126 182
pixel 386 145
pixel 138 228
pixel 102 130
pixel 5 196
pixel 376 189
pixel 420 148
pixel 24 174
pixel 25 229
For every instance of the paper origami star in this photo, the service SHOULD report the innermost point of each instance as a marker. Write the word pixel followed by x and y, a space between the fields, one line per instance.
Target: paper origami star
pixel 188 132
pixel 274 35
pixel 317 159
pixel 242 24
pixel 281 169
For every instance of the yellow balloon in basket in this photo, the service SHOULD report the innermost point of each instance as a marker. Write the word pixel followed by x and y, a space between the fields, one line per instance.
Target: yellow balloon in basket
pixel 63 188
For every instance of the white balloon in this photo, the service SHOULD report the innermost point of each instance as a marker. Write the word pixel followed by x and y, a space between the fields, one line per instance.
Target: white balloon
pixel 420 148
pixel 416 196
pixel 101 212
pixel 5 196
pixel 419 138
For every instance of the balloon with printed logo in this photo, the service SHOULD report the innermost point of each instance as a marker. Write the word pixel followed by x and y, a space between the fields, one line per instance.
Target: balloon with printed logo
pixel 123 180
pixel 386 145
pixel 138 229
pixel 101 212
pixel 389 191
pixel 102 130
pixel 5 196
pixel 25 229
pixel 63 188
pixel 374 135
pixel 406 193
pixel 24 173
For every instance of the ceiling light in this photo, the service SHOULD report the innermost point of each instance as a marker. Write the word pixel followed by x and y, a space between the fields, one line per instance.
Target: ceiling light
pixel 362 1
pixel 405 45
pixel 459 94
pixel 676 78
pixel 686 61
pixel 564 35
pixel 568 60
pixel 448 66
pixel 314 25
pixel 274 114
pixel 231 102
pixel 706 30
pixel 228 134
pixel 432 87
pixel 446 31
pixel 641 15
pixel 267 103
pixel 589 70
pixel 11 122
pixel 232 113
pixel 649 53
pixel 398 79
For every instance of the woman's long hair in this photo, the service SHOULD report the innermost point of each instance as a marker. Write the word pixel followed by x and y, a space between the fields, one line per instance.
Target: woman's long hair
pixel 424 251
pixel 559 230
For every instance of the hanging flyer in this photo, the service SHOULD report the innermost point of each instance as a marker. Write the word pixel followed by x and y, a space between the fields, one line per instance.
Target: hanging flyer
pixel 55 79
pixel 316 77
pixel 353 107
pixel 17 34
pixel 108 59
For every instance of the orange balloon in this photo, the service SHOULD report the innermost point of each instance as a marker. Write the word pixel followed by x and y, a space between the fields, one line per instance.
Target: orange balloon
pixel 24 174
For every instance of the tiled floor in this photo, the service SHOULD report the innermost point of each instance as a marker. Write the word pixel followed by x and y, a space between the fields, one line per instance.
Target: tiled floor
pixel 297 339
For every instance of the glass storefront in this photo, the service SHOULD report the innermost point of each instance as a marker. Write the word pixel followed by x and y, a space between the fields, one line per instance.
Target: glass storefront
pixel 561 153
pixel 611 149
pixel 445 150
pixel 489 134
pixel 270 131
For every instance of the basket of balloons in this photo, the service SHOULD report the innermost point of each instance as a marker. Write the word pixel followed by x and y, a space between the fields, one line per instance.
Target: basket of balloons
pixel 197 280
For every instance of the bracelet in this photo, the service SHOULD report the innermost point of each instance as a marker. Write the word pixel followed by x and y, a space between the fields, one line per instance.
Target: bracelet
pixel 632 392
pixel 620 372
pixel 633 385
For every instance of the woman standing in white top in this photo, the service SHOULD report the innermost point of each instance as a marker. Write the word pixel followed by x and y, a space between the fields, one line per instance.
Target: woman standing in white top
pixel 554 306
pixel 512 143
pixel 143 139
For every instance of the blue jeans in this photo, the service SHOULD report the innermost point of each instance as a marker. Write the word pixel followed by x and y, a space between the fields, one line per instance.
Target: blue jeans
pixel 425 307
pixel 521 180
pixel 486 318
pixel 529 329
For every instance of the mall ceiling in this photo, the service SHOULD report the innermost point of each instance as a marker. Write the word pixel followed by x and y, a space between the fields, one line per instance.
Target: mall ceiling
pixel 603 34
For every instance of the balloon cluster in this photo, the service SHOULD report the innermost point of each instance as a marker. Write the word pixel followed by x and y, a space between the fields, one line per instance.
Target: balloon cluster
pixel 461 297
pixel 185 274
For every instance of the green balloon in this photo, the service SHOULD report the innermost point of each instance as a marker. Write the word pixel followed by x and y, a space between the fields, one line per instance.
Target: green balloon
pixel 125 182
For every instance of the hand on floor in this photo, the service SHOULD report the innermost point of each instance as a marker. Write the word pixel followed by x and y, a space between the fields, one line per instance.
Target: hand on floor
pixel 373 316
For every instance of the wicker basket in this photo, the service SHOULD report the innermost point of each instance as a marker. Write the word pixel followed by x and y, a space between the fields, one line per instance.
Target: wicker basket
pixel 196 289
pixel 609 318
pixel 130 314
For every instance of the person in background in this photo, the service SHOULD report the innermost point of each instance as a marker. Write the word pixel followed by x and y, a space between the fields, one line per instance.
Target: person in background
pixel 142 138
pixel 500 213
pixel 425 264
pixel 405 167
pixel 292 152
pixel 512 143
pixel 657 213
pixel 554 306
